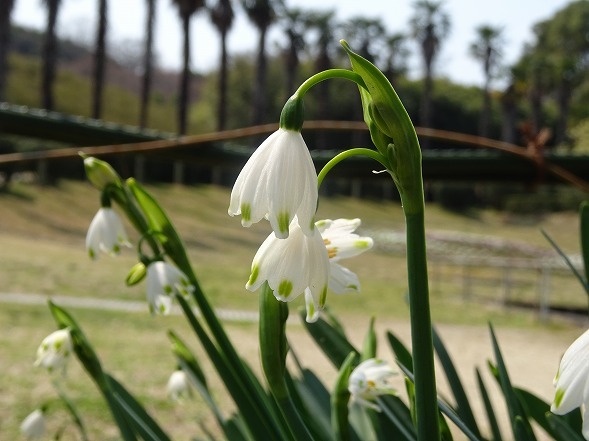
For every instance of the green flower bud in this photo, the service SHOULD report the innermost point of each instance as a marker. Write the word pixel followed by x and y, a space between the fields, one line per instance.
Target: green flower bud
pixel 136 274
pixel 100 173
pixel 293 114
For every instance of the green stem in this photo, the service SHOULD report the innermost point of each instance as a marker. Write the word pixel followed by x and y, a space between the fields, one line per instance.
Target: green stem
pixel 328 74
pixel 421 330
pixel 347 154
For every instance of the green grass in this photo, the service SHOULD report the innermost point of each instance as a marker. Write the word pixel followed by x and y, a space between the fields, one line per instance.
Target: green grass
pixel 42 232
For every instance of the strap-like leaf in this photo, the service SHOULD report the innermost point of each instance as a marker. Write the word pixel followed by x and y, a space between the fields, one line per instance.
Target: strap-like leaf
pixel 488 408
pixel 565 431
pixel 464 410
pixel 340 398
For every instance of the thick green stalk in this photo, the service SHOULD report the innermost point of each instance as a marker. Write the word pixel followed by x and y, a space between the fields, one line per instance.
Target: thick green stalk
pixel 421 329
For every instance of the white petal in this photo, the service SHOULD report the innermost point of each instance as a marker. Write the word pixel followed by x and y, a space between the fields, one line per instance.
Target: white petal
pixel 33 426
pixel 572 377
pixel 312 306
pixel 342 280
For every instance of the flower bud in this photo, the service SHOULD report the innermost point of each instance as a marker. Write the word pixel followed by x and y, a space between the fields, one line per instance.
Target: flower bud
pixel 136 274
pixel 100 173
pixel 33 426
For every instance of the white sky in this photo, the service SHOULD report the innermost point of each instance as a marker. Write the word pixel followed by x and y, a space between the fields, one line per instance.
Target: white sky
pixel 126 22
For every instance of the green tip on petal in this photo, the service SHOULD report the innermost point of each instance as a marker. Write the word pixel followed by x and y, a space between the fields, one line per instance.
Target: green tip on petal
pixel 361 244
pixel 354 287
pixel 246 212
pixel 558 398
pixel 285 288
pixel 323 297
pixel 283 220
pixel 311 309
pixel 254 275
pixel 92 254
pixel 168 289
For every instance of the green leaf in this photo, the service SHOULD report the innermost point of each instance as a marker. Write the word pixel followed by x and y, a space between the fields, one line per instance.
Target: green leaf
pixel 463 408
pixel 142 422
pixel 519 420
pixel 315 399
pixel 563 429
pixel 159 222
pixel 254 406
pixel 399 414
pixel 568 262
pixel 182 352
pixel 402 354
pixel 370 343
pixel 335 346
pixel 340 398
pixel 488 408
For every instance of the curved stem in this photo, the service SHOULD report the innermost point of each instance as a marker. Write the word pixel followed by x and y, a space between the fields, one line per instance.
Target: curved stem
pixel 327 74
pixel 359 151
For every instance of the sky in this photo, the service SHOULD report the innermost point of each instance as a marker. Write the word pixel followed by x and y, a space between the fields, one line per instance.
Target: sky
pixel 77 19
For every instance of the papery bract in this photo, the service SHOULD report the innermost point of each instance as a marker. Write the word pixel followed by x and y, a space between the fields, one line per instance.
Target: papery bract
pixel 292 266
pixel 106 233
pixel 33 426
pixel 55 350
pixel 163 281
pixel 369 380
pixel 279 181
pixel 179 385
pixel 572 381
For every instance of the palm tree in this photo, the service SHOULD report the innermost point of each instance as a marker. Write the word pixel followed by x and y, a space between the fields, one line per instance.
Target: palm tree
pixel 222 17
pixel 294 22
pixel 99 59
pixel 324 24
pixel 49 55
pixel 486 48
pixel 262 14
pixel 147 64
pixel 430 24
pixel 186 9
pixel 5 14
pixel 396 56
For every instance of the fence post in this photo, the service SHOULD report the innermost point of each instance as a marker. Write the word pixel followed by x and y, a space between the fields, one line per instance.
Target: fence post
pixel 544 280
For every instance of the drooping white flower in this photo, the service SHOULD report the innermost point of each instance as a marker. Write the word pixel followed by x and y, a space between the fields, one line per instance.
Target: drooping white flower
pixel 342 243
pixel 106 233
pixel 55 350
pixel 369 380
pixel 163 281
pixel 33 426
pixel 179 386
pixel 279 181
pixel 292 266
pixel 572 381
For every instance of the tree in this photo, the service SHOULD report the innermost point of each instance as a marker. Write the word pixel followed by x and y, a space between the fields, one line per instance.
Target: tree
pixel 430 24
pixel 147 64
pixel 186 9
pixel 294 21
pixel 362 33
pixel 5 15
pixel 262 14
pixel 49 55
pixel 222 17
pixel 487 49
pixel 396 54
pixel 99 59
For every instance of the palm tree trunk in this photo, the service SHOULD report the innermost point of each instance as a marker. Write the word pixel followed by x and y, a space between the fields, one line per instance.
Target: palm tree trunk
pixel 185 78
pixel 5 13
pixel 563 99
pixel 99 60
pixel 486 111
pixel 222 109
pixel 259 101
pixel 147 64
pixel 49 56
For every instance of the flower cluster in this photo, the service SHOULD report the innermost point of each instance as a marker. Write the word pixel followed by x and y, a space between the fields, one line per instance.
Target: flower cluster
pixel 572 381
pixel 279 183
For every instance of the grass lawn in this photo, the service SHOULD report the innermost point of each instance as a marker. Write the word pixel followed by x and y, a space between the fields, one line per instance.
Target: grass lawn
pixel 42 231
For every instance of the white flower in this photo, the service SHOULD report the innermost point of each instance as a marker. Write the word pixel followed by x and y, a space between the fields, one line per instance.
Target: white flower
pixel 279 181
pixel 55 350
pixel 163 281
pixel 106 233
pixel 292 266
pixel 369 380
pixel 342 243
pixel 572 381
pixel 179 386
pixel 33 426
